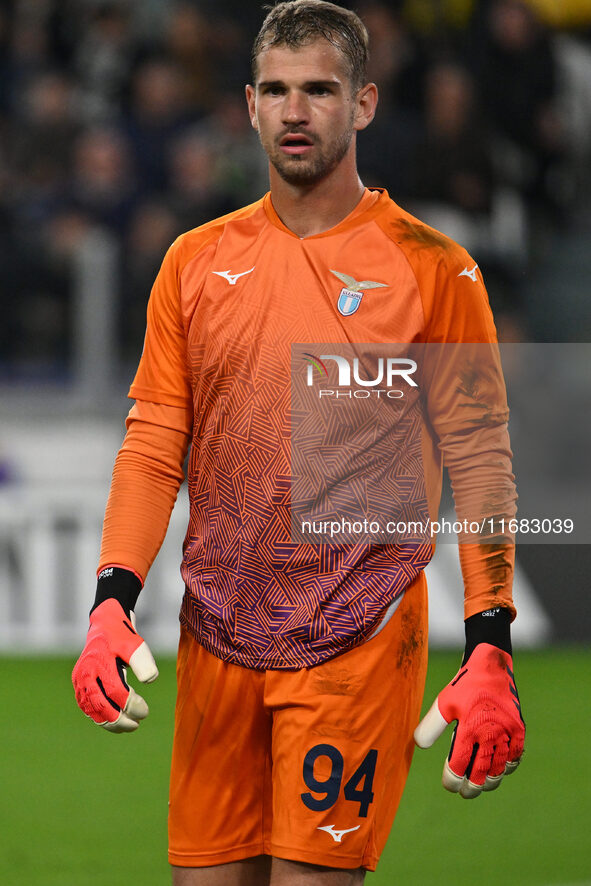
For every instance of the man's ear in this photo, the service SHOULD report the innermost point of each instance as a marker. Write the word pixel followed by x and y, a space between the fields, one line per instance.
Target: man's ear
pixel 251 102
pixel 367 103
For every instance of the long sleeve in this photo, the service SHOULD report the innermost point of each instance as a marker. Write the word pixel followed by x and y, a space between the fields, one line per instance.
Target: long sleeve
pixel 479 466
pixel 146 479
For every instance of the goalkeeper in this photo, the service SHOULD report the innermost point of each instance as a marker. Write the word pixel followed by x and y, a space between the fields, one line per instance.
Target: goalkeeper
pixel 301 666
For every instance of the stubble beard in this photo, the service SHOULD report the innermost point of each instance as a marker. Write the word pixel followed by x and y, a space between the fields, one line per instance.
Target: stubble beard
pixel 300 170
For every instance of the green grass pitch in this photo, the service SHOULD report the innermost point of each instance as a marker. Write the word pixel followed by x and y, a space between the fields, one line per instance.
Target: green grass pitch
pixel 81 807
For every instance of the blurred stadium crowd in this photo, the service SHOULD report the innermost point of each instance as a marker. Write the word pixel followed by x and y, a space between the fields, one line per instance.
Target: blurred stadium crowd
pixel 129 116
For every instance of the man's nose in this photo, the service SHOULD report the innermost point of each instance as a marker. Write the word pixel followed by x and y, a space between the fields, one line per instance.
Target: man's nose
pixel 295 108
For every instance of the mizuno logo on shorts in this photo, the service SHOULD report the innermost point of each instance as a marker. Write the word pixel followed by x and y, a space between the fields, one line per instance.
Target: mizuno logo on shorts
pixel 337 835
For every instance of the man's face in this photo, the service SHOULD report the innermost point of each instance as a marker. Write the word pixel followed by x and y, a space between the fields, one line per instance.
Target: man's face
pixel 304 108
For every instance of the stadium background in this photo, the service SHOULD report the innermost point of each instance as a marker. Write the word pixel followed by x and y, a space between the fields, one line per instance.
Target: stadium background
pixel 122 124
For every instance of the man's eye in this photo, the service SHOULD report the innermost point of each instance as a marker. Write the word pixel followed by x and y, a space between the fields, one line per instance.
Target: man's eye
pixel 319 90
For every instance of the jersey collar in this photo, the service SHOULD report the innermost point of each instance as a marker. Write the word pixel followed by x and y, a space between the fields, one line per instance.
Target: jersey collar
pixel 372 202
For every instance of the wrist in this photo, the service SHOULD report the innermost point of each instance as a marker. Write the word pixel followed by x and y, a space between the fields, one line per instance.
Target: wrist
pixel 119 584
pixel 492 626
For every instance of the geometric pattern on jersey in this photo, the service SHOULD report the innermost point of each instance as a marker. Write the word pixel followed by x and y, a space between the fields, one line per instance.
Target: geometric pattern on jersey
pixel 254 596
pixel 230 300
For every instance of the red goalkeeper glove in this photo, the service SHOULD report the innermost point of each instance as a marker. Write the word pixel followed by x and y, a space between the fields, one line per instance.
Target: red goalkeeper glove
pixel 112 643
pixel 488 740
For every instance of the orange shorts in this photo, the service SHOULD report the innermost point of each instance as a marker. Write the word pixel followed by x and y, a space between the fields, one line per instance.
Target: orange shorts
pixel 305 765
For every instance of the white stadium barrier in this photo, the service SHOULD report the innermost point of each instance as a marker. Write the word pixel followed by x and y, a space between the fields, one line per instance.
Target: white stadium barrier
pixel 49 543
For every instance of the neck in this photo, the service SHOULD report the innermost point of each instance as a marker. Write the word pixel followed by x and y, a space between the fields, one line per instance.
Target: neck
pixel 312 209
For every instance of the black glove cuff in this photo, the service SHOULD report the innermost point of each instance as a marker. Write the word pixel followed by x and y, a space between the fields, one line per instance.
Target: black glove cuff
pixel 119 584
pixel 492 626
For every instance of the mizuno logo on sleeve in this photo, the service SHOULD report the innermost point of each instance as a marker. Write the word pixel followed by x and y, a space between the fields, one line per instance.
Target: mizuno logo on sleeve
pixel 471 274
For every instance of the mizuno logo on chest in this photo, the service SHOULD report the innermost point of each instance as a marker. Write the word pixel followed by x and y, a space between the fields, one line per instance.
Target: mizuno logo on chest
pixel 233 278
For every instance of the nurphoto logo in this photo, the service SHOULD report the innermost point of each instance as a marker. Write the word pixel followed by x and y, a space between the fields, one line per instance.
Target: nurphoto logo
pixel 389 371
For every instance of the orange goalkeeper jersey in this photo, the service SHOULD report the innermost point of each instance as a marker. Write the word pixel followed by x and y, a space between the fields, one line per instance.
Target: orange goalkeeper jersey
pixel 230 299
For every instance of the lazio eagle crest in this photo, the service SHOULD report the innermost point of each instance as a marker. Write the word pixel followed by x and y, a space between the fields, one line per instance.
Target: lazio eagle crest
pixel 350 297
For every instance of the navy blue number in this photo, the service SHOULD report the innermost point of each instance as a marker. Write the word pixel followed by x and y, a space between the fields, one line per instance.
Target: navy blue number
pixel 331 786
pixel 365 773
pixel 358 789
